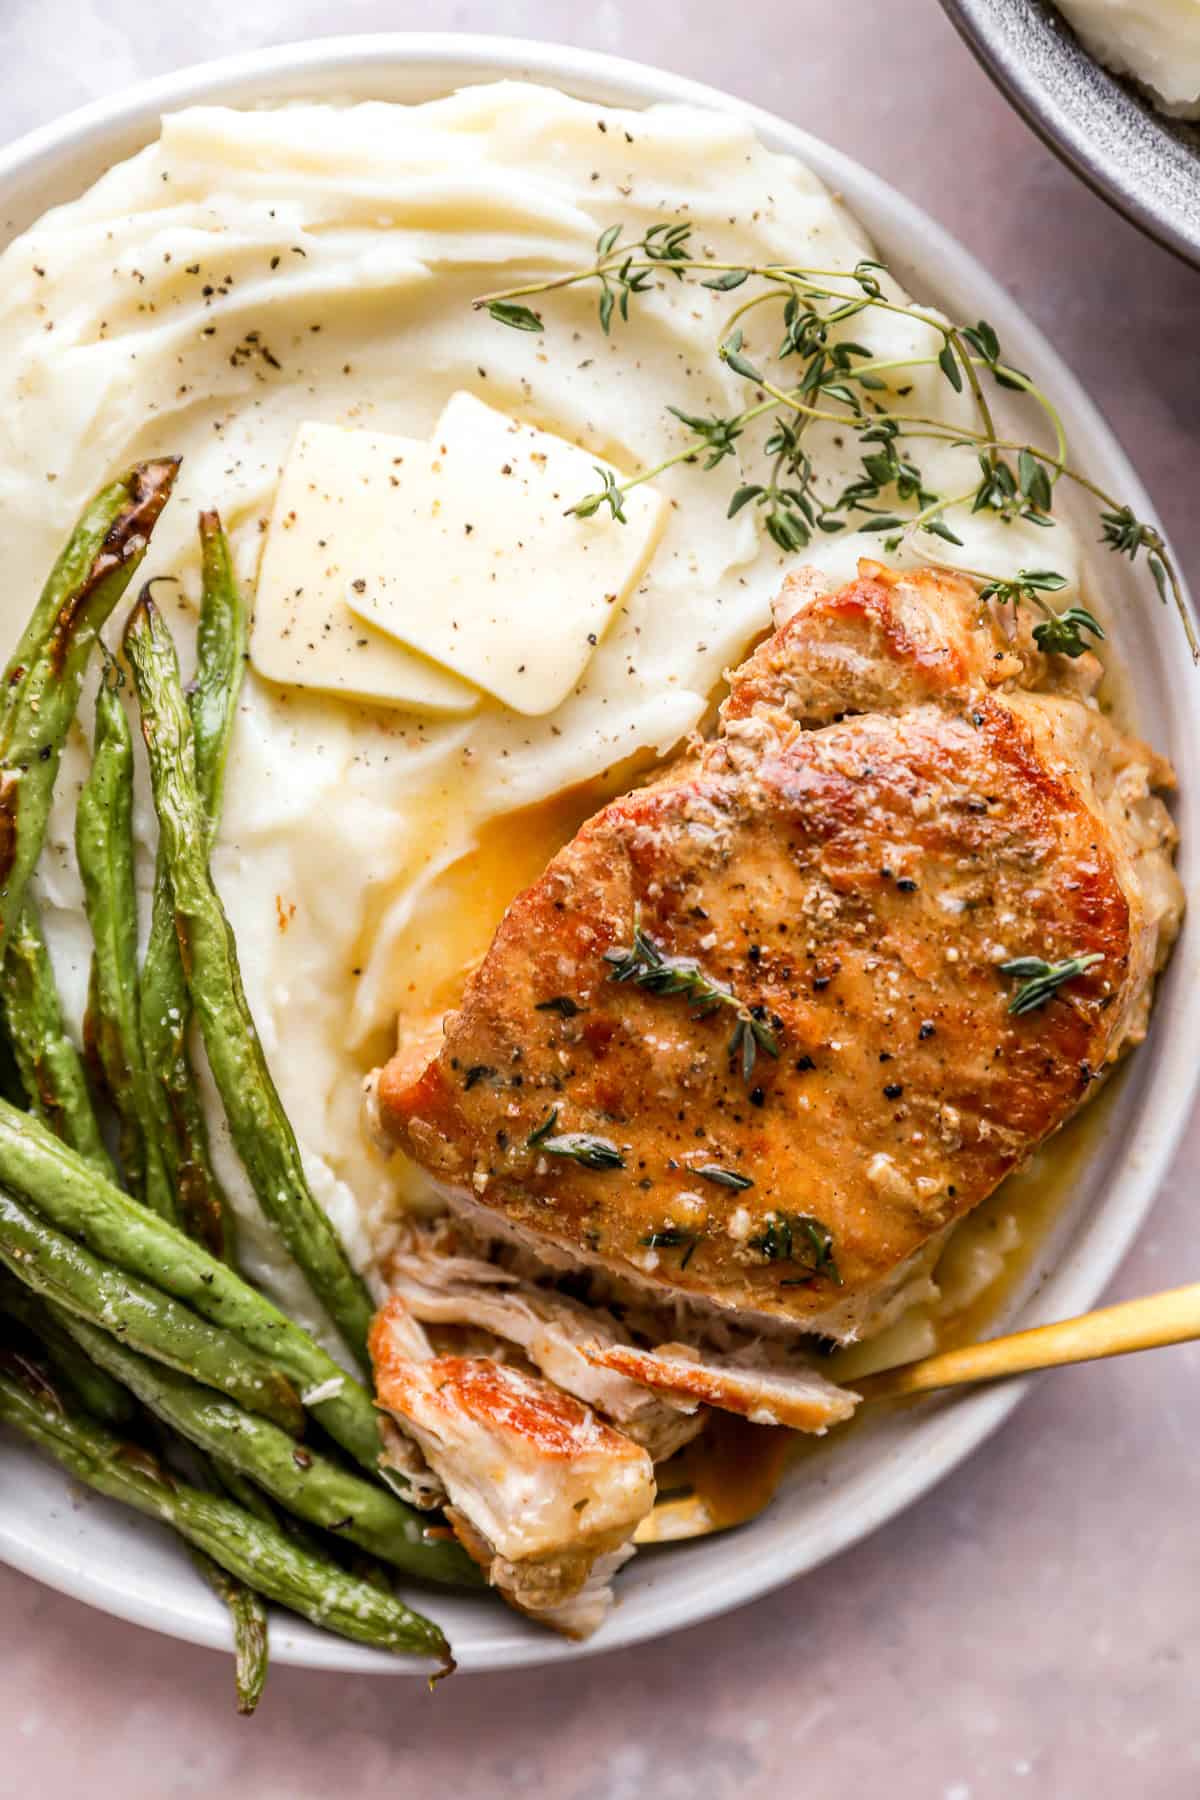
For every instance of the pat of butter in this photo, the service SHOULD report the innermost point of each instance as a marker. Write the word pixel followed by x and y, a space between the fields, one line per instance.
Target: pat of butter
pixel 474 561
pixel 331 491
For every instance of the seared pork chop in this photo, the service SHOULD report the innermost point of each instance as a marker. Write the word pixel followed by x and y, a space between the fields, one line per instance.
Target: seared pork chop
pixel 749 1040
pixel 542 1492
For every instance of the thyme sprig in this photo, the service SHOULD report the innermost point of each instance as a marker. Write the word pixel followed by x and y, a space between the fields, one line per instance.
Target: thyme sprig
pixel 1040 980
pixel 648 967
pixel 827 377
pixel 579 1146
pixel 1059 634
pixel 798 1238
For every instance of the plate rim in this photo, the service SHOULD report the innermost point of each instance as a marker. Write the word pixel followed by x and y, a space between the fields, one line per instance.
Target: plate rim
pixel 986 34
pixel 948 1432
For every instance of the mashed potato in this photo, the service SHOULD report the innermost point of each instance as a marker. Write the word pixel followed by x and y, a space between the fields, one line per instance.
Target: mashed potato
pixel 1155 41
pixel 251 270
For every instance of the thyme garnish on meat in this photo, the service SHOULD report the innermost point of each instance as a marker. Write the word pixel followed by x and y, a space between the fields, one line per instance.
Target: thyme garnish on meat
pixel 673 1237
pixel 579 1146
pixel 648 967
pixel 720 1177
pixel 798 1238
pixel 825 376
pixel 1040 979
pixel 1059 634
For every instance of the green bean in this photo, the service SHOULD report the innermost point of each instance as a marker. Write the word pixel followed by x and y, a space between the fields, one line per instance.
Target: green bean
pixel 102 1395
pixel 112 1033
pixel 258 1123
pixel 247 1610
pixel 166 1008
pixel 67 1192
pixel 255 1552
pixel 51 1068
pixel 62 1271
pixel 46 672
pixel 310 1485
pixel 179 1121
pixel 221 638
pixel 248 1616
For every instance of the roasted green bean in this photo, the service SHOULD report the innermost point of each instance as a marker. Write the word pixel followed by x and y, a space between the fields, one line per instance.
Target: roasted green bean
pixel 310 1485
pixel 259 1125
pixel 51 1068
pixel 102 1395
pixel 63 1272
pixel 251 1627
pixel 255 1552
pixel 166 1008
pixel 112 1030
pixel 67 1192
pixel 46 672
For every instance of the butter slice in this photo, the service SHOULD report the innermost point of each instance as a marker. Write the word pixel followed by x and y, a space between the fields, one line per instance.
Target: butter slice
pixel 475 564
pixel 334 487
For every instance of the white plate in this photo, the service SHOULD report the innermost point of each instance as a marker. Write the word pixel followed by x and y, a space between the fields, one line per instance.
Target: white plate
pixel 103 1555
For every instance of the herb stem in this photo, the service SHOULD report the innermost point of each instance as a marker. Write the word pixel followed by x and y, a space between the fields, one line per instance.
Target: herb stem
pixel 792 511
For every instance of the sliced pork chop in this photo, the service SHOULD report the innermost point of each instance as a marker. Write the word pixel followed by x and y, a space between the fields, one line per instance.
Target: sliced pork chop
pixel 747 1041
pixel 558 1336
pixel 799 1398
pixel 657 1395
pixel 539 1488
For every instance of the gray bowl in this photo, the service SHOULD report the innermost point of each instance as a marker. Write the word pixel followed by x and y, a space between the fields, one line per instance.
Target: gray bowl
pixel 1144 164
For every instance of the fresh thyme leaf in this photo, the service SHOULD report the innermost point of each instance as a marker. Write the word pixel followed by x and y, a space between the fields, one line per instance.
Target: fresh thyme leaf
pixel 1122 531
pixel 1029 583
pixel 948 364
pixel 741 497
pixel 651 969
pixel 720 1177
pixel 983 341
pixel 1040 980
pixel 732 278
pixel 609 495
pixel 939 528
pixel 521 318
pixel 607 301
pixel 1125 533
pixel 669 243
pixel 750 1035
pixel 798 1238
pixel 590 1152
pixel 673 1237
pixel 1034 481
pixel 561 1004
pixel 1062 634
pixel 606 240
pixel 580 1146
pixel 718 434
pixel 541 1132
pixel 731 353
pixel 866 279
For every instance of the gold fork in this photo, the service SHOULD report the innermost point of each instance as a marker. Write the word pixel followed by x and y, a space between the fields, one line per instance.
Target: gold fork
pixel 1146 1324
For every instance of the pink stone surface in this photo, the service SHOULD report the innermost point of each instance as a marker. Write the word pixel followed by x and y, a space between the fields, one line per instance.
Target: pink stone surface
pixel 1032 1628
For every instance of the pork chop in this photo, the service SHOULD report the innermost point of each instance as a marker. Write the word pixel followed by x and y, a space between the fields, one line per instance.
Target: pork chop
pixel 750 1040
pixel 541 1492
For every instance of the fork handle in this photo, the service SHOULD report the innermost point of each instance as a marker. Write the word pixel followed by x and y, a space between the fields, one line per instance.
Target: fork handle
pixel 1146 1324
